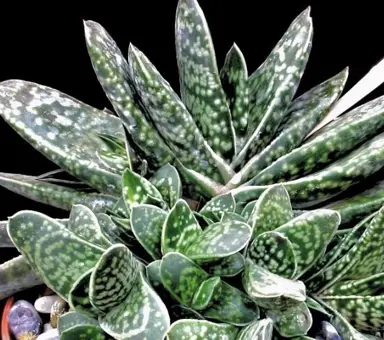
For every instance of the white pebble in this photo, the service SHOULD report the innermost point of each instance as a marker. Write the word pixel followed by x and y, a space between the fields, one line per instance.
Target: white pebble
pixel 47 327
pixel 52 334
pixel 44 304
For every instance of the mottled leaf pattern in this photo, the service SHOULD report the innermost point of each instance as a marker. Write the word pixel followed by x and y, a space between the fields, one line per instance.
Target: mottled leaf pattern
pixel 84 332
pixel 62 128
pixel 201 330
pixel 310 234
pixel 269 290
pixel 71 319
pixel 273 85
pixel 271 210
pixel 111 69
pixel 225 267
pixel 180 229
pixel 234 75
pixel 143 315
pixel 247 210
pixel 219 240
pixel 147 224
pixel 200 83
pixel 257 330
pixel 56 254
pixel 274 252
pixel 172 119
pixel 292 322
pixel 231 216
pixel 111 230
pixel 203 296
pixel 113 277
pixel 83 222
pixel 168 182
pixel 215 207
pixel 181 276
pixel 232 306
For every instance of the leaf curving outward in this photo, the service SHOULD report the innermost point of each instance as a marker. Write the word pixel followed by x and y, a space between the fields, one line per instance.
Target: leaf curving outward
pixel 71 319
pixel 217 206
pixel 112 71
pixel 225 267
pixel 257 330
pixel 200 84
pixel 273 85
pixel 204 295
pixel 147 224
pixel 201 330
pixel 234 75
pixel 63 129
pixel 113 277
pixel 269 290
pixel 167 181
pixel 55 253
pixel 142 315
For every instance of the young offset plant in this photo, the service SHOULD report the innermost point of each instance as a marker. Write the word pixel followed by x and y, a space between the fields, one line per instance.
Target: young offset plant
pixel 225 203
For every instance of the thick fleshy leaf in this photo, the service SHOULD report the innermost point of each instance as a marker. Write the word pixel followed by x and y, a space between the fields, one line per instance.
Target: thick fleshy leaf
pixel 232 306
pixel 84 332
pixel 181 276
pixel 231 216
pixel 234 76
pixel 200 84
pixel 111 231
pixel 83 222
pixel 314 305
pixel 57 255
pixel 364 259
pixel 274 252
pixel 168 182
pixel 292 322
pixel 201 330
pixel 54 195
pixel 72 318
pixel 303 114
pixel 247 210
pixel 310 234
pixel 219 240
pixel 138 190
pixel 143 315
pixel 271 210
pixel 147 224
pixel 17 275
pixel 5 241
pixel 62 128
pixel 174 122
pixel 269 290
pixel 78 297
pixel 111 69
pixel 181 312
pixel 273 85
pixel 113 277
pixel 366 313
pixel 225 267
pixel 257 330
pixel 204 295
pixel 202 220
pixel 218 205
pixel 180 229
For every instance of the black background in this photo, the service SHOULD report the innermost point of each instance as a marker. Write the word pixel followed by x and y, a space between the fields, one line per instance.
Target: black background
pixel 45 44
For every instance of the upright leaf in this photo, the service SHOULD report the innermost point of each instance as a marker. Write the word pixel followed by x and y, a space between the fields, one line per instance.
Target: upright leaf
pixel 200 83
pixel 226 266
pixel 204 295
pixel 217 206
pixel 63 129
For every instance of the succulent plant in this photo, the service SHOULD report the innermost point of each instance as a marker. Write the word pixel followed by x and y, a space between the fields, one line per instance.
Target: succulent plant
pixel 155 268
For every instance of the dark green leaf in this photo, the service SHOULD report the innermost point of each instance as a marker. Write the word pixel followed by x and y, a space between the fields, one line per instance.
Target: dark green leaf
pixel 57 255
pixel 168 182
pixel 273 85
pixel 181 312
pixel 231 216
pixel 201 330
pixel 147 224
pixel 313 304
pixel 200 83
pixel 203 297
pixel 112 71
pixel 142 316
pixel 257 330
pixel 247 210
pixel 71 319
pixel 113 277
pixel 219 240
pixel 63 129
pixel 274 252
pixel 111 230
pixel 292 322
pixel 269 290
pixel 83 222
pixel 181 276
pixel 84 332
pixel 153 273
pixel 180 229
pixel 225 267
pixel 218 205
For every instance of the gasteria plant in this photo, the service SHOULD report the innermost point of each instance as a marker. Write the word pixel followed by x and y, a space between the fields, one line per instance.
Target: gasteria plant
pixel 167 271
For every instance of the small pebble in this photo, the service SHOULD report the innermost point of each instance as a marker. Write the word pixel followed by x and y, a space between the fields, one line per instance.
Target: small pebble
pixel 24 320
pixel 52 334
pixel 44 304
pixel 58 308
pixel 328 332
pixel 47 327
